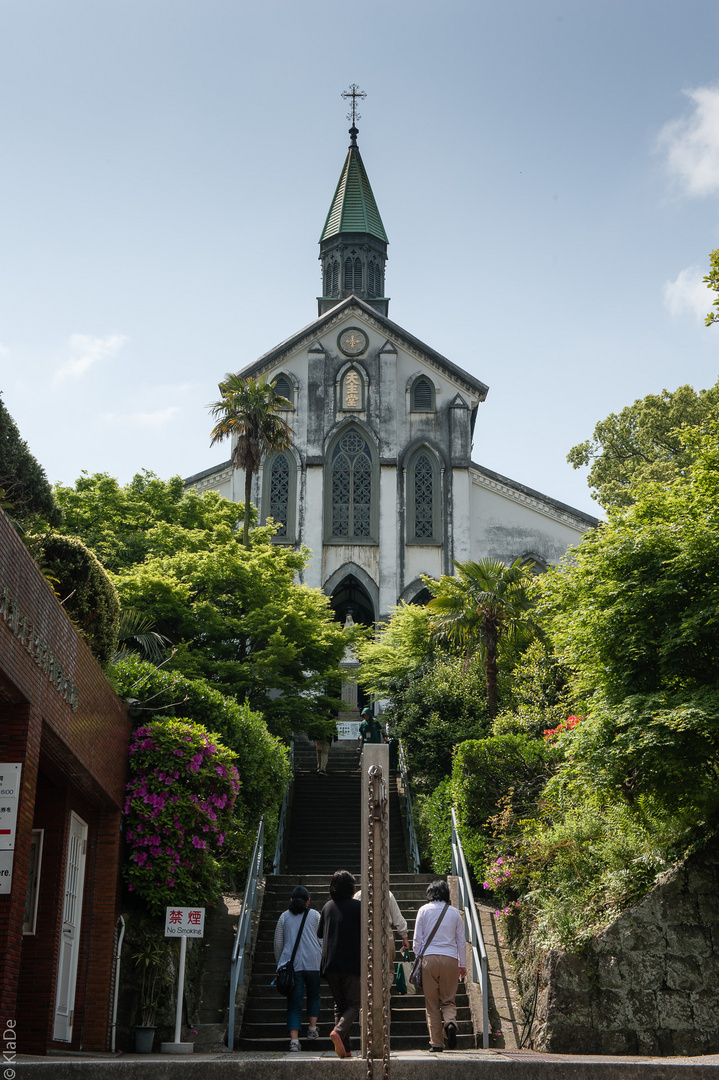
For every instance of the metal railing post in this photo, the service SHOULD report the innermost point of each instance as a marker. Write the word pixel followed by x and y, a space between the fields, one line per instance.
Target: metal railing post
pixel 244 927
pixel 472 926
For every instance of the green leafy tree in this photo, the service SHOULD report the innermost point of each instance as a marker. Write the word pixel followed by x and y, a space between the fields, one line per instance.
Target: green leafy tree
pixel 125 523
pixel 486 602
pixel 395 651
pixel 238 618
pixel 24 488
pixel 635 610
pixel 249 412
pixel 442 703
pixel 712 282
pixel 650 440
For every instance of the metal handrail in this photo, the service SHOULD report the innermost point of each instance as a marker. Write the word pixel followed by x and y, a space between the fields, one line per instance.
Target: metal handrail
pixel 244 927
pixel 472 927
pixel 409 814
pixel 282 820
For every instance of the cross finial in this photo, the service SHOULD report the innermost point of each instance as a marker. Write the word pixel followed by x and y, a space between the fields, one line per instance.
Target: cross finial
pixel 354 92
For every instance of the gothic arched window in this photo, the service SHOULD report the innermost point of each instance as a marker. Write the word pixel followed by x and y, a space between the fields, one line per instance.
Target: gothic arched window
pixel 335 282
pixel 351 488
pixel 279 485
pixel 348 274
pixel 283 386
pixel 372 278
pixel 422 399
pixel 423 498
pixel 357 285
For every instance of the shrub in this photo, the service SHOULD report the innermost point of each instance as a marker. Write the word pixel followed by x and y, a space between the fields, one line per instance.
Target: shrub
pixel 434 818
pixel 180 797
pixel 86 592
pixel 261 758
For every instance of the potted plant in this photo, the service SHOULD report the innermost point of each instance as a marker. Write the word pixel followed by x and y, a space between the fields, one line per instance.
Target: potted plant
pixel 152 962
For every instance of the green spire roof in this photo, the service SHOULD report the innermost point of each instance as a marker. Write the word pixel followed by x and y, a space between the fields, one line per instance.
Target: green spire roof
pixel 353 208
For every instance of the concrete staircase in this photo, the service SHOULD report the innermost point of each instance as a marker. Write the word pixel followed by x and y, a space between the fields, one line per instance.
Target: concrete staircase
pixel 324 836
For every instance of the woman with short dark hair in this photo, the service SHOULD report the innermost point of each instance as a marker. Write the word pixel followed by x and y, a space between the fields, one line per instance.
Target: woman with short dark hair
pixel 306 962
pixel 339 930
pixel 439 938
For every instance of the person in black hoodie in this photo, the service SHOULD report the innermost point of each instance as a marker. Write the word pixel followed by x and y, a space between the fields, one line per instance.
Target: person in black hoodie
pixel 340 931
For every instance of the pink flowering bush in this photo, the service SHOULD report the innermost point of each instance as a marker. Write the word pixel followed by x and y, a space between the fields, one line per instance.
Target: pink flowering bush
pixel 178 808
pixel 501 881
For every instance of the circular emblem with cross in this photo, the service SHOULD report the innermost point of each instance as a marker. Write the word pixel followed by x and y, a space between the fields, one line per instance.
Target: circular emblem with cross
pixel 352 342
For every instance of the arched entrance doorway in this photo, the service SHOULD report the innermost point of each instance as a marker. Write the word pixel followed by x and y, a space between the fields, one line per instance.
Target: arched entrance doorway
pixel 350 597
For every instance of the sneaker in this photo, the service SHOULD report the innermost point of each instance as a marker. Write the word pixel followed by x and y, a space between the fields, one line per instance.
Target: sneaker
pixel 450 1031
pixel 436 1049
pixel 294 1045
pixel 313 1033
pixel 338 1044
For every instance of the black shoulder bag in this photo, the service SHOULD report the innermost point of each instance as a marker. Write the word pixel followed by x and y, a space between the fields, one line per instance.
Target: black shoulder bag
pixel 285 977
pixel 415 975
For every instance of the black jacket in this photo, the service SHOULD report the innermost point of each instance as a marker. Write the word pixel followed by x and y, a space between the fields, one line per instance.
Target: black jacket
pixel 340 930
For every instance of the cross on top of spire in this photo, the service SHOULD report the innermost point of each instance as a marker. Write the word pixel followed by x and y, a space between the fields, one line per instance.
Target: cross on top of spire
pixel 354 92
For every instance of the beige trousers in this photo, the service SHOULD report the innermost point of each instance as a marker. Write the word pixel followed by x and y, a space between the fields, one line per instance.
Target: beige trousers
pixel 440 978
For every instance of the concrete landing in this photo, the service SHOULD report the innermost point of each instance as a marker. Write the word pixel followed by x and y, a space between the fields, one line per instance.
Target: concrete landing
pixel 408 1065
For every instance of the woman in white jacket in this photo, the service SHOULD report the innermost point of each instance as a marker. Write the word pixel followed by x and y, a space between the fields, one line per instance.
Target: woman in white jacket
pixel 443 963
pixel 306 962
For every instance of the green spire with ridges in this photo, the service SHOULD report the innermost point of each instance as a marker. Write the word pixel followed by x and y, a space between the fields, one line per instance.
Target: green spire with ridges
pixel 353 208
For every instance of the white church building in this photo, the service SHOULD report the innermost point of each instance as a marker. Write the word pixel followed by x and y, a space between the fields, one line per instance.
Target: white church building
pixel 380 482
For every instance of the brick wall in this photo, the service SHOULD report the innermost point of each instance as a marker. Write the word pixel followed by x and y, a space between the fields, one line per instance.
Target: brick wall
pixel 61 719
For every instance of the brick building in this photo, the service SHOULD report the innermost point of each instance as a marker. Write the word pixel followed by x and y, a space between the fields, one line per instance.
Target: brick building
pixel 61 723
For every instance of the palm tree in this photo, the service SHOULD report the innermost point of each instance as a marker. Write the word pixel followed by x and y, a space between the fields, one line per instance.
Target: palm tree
pixel 249 410
pixel 485 602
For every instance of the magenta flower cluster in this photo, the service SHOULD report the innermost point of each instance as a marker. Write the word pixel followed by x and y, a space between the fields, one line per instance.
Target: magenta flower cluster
pixel 178 809
pixel 501 875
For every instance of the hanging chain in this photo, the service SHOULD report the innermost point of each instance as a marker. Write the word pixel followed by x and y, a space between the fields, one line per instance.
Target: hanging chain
pixel 377 811
pixel 387 964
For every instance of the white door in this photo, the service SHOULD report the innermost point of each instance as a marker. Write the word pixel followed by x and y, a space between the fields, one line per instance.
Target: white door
pixel 71 918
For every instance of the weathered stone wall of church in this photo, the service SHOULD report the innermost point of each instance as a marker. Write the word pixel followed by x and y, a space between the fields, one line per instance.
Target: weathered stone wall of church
pixel 649 984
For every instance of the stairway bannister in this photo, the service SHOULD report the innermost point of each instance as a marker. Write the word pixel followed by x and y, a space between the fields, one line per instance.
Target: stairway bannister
pixel 472 927
pixel 409 813
pixel 282 820
pixel 244 927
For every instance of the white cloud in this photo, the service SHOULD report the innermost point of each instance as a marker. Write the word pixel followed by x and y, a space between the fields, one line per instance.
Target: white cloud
pixel 158 419
pixel 86 351
pixel 691 144
pixel 688 294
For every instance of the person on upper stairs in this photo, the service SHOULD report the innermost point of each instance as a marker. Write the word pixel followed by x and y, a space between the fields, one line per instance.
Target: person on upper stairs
pixel 370 729
pixel 306 962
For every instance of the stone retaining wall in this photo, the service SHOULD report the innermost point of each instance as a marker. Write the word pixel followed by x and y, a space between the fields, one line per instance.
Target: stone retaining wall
pixel 650 983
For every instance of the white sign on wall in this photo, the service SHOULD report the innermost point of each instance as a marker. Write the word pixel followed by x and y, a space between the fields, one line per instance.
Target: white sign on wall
pixel 184 922
pixel 9 792
pixel 6 858
pixel 348 730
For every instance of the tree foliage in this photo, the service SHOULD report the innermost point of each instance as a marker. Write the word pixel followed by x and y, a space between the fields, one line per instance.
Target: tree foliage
pixel 24 488
pixel 248 411
pixel 84 588
pixel 238 618
pixel 636 609
pixel 483 604
pixel 396 650
pixel 123 524
pixel 649 441
pixel 712 282
pixel 441 705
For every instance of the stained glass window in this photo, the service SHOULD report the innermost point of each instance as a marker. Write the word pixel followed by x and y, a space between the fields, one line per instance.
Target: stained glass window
pixel 280 492
pixel 351 487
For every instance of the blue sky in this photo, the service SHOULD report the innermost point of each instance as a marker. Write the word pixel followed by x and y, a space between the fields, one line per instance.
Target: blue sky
pixel 547 173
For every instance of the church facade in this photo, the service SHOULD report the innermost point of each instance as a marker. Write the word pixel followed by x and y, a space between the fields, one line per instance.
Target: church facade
pixel 380 482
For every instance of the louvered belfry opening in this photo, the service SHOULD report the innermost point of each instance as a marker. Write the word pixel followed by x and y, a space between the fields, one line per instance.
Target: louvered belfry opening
pixel 422 395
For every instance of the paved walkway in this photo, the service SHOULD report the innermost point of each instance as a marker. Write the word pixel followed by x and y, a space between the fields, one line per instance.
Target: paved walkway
pixel 405 1065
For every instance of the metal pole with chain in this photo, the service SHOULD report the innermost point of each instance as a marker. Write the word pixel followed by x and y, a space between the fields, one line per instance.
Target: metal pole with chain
pixel 375 907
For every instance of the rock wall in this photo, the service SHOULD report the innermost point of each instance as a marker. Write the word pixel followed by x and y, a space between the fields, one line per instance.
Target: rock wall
pixel 650 983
